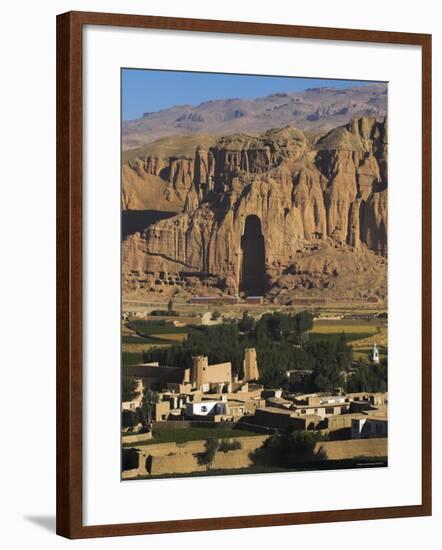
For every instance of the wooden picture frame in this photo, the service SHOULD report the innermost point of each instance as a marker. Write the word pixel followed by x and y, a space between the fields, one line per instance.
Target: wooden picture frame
pixel 70 270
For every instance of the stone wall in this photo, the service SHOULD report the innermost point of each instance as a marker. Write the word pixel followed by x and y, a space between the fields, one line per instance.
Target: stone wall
pixel 172 458
pixel 135 438
pixel 350 448
pixel 180 464
pixel 194 447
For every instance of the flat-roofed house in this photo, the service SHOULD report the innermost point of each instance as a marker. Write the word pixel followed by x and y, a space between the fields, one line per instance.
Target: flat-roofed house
pixel 161 410
pixel 339 425
pixel 369 427
pixel 206 408
pixel 274 417
pixel 279 402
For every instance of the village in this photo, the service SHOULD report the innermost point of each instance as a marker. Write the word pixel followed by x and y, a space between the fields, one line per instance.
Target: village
pixel 205 417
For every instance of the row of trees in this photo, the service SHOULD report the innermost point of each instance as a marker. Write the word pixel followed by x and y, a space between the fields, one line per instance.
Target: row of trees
pixel 277 326
pixel 281 346
pixel 274 336
pixel 331 360
pixel 217 342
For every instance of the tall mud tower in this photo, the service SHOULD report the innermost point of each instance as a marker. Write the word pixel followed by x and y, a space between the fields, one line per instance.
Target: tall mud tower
pixel 199 373
pixel 250 365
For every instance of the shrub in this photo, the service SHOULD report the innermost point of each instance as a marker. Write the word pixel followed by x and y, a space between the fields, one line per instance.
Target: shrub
pixel 128 388
pixel 164 313
pixel 246 323
pixel 226 446
pixel 208 456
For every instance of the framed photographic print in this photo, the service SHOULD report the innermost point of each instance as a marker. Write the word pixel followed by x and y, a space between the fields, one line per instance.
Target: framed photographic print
pixel 243 274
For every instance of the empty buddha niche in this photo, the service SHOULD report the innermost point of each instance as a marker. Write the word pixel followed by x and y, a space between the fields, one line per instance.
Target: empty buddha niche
pixel 252 281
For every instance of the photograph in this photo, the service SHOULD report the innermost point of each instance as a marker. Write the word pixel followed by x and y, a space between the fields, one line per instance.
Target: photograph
pixel 254 261
pixel 226 292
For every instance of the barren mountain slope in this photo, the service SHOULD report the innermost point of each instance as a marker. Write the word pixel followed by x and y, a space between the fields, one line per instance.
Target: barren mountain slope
pixel 316 109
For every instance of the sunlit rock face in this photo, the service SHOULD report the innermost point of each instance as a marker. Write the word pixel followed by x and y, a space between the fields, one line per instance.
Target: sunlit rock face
pixel 310 198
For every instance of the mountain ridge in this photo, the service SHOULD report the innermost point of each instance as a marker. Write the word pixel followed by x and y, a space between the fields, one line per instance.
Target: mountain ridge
pixel 314 109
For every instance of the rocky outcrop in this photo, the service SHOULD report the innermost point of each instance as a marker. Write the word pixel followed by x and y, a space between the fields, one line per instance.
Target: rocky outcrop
pixel 330 193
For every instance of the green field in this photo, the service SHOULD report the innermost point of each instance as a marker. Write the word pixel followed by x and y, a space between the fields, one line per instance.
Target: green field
pixel 148 336
pixel 140 340
pixel 154 328
pixel 359 333
pixel 161 329
pixel 130 358
pixel 183 435
pixel 335 336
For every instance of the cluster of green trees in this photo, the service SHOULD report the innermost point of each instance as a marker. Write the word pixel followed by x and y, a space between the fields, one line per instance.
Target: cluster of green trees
pixel 275 337
pixel 247 323
pixel 283 326
pixel 128 388
pixel 368 378
pixel 219 343
pixel 330 362
pixel 281 345
pixel 277 326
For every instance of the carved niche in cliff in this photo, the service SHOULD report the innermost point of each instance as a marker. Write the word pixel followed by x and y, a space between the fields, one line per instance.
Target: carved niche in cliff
pixel 252 274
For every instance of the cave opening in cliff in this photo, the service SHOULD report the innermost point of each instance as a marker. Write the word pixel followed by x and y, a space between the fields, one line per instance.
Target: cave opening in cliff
pixel 253 280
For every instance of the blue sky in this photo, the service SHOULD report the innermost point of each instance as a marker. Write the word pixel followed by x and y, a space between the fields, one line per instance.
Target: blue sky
pixel 146 90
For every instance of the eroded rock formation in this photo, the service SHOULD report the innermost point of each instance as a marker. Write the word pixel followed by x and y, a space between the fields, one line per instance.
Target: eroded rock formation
pixel 310 198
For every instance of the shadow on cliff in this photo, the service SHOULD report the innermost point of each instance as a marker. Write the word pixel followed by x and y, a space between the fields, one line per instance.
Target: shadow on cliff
pixel 133 221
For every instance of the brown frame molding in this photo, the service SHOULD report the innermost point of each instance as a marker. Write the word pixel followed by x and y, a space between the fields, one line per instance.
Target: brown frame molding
pixel 69 273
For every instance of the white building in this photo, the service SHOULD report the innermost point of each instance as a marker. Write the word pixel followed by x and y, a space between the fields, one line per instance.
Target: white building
pixel 370 427
pixel 375 353
pixel 206 408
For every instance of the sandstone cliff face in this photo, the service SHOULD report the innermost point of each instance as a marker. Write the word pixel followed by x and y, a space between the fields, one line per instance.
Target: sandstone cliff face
pixel 324 195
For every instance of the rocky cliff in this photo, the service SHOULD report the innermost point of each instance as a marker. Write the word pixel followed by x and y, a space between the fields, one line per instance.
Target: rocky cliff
pixel 319 207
